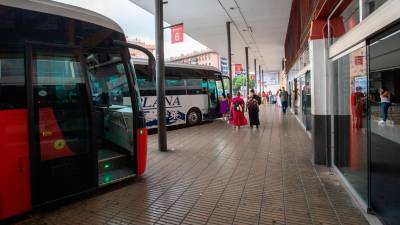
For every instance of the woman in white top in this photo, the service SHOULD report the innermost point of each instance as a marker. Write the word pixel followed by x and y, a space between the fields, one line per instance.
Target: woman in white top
pixel 278 98
pixel 385 104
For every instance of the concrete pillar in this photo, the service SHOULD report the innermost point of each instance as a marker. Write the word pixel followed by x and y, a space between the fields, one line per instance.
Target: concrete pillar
pixel 320 102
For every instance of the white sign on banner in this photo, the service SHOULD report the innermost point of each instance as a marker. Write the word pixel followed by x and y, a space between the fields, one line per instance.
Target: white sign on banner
pixel 272 78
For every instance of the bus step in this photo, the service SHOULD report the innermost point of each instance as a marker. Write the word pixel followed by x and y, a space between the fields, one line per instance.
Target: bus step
pixel 108 154
pixel 115 176
pixel 109 160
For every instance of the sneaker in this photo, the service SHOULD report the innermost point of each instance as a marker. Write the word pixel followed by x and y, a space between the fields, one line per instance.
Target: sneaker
pixel 381 122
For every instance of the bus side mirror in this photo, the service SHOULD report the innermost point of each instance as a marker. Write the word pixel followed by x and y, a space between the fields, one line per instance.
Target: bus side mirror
pixel 152 60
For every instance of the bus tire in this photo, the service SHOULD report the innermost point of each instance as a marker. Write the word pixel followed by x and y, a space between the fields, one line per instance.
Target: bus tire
pixel 193 117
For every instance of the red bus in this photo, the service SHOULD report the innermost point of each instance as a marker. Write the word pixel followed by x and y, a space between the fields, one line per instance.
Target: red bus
pixel 70 114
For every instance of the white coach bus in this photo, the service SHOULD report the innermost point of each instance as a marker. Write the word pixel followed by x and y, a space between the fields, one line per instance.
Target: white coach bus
pixel 192 93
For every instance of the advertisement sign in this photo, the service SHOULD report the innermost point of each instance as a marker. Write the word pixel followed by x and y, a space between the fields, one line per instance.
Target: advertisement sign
pixel 238 69
pixel 252 76
pixel 177 34
pixel 224 66
pixel 272 78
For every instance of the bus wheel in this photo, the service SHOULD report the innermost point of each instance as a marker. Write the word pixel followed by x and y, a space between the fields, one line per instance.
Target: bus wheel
pixel 193 117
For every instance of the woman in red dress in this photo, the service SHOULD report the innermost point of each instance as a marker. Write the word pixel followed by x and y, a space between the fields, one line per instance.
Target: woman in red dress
pixel 237 108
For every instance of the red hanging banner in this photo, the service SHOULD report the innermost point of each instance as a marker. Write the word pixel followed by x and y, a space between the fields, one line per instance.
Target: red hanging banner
pixel 177 34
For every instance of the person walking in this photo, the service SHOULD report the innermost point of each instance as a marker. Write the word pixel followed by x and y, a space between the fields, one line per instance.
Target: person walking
pixel 357 108
pixel 253 103
pixel 270 96
pixel 264 97
pixel 385 104
pixel 224 107
pixel 284 96
pixel 237 106
pixel 229 114
pixel 278 98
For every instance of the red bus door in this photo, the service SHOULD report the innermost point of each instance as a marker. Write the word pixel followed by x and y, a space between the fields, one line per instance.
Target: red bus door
pixel 62 157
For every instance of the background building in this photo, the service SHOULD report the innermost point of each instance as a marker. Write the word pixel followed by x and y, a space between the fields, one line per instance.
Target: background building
pixel 206 58
pixel 138 54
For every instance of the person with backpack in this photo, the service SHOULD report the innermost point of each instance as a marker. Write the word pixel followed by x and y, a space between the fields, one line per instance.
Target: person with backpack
pixel 238 118
pixel 253 103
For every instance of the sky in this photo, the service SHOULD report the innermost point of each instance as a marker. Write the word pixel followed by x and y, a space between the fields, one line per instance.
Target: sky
pixel 137 23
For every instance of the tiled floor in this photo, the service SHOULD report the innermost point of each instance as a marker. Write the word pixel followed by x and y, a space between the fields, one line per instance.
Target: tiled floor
pixel 218 175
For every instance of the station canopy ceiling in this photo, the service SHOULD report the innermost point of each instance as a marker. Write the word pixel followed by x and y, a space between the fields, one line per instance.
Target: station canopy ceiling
pixel 259 24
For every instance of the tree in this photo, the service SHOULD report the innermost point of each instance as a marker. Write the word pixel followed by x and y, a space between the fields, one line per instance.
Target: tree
pixel 241 81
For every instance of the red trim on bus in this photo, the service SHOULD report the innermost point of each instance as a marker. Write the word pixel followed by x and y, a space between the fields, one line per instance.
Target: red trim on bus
pixel 52 142
pixel 141 150
pixel 15 183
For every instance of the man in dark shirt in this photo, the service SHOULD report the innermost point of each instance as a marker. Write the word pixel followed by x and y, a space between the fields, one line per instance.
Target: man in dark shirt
pixel 284 96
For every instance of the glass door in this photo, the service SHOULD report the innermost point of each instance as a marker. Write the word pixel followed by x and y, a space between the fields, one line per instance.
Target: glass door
pixel 220 88
pixel 301 102
pixel 63 162
pixel 306 99
pixel 212 98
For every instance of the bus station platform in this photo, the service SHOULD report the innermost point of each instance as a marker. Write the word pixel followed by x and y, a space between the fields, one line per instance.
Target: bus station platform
pixel 218 175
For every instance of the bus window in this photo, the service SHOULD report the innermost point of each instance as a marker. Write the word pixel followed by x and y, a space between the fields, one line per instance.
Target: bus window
pixel 147 85
pixel 109 83
pixel 12 81
pixel 175 87
pixel 60 105
pixel 196 86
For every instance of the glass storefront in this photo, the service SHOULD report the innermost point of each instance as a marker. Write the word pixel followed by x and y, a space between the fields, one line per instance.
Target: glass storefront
pixel 384 77
pixel 299 88
pixel 306 101
pixel 351 147
pixel 368 122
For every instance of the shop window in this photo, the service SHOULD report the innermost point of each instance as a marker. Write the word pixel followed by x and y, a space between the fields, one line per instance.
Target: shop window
pixel 369 6
pixel 351 120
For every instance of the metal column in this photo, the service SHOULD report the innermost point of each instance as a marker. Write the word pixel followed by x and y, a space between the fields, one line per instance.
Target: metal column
pixel 262 79
pixel 160 76
pixel 259 75
pixel 228 31
pixel 255 74
pixel 247 69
